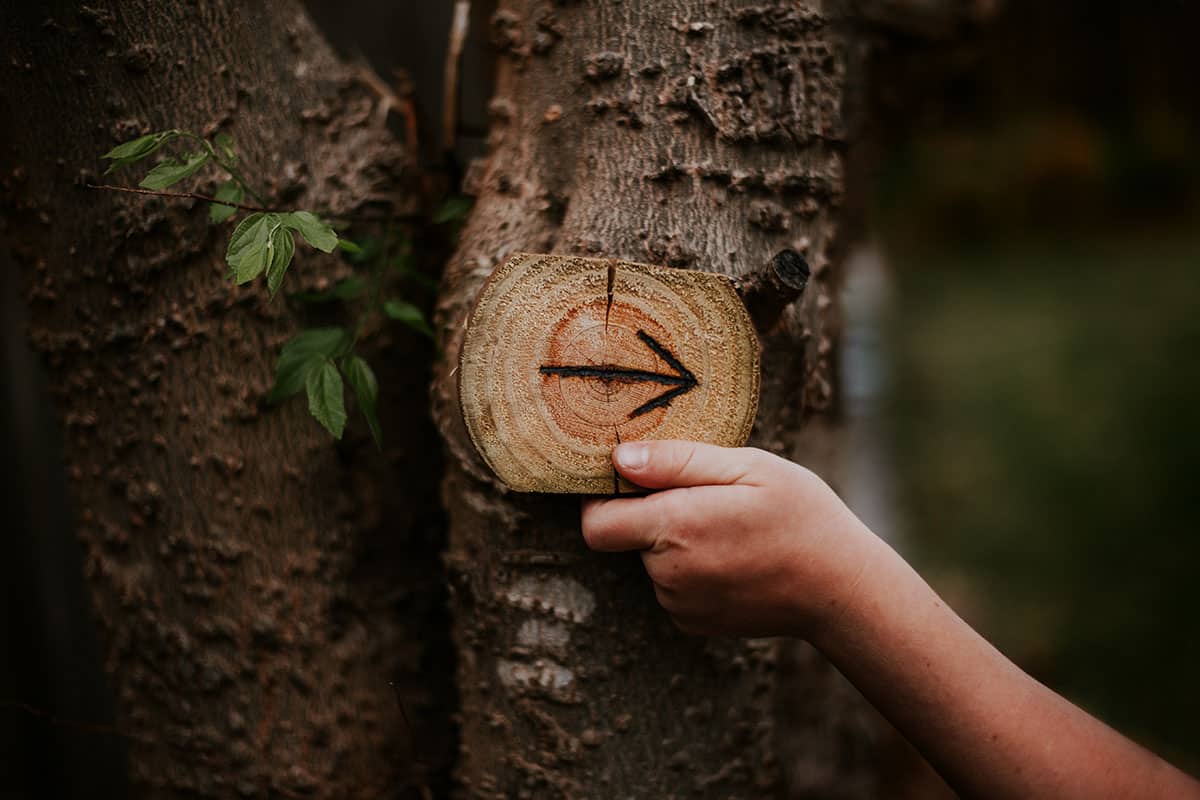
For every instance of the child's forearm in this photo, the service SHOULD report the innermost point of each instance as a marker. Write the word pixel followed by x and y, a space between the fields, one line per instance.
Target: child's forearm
pixel 989 729
pixel 744 543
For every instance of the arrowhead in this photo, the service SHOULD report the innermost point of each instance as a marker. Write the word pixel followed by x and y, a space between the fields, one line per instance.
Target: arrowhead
pixel 557 356
pixel 682 381
pixel 664 399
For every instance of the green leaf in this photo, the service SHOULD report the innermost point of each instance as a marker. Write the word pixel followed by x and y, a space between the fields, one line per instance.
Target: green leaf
pixel 364 251
pixel 173 170
pixel 230 191
pixel 349 247
pixel 453 208
pixel 349 289
pixel 314 231
pixel 366 392
pixel 224 143
pixel 250 248
pixel 283 248
pixel 301 354
pixel 408 314
pixel 243 234
pixel 136 149
pixel 325 401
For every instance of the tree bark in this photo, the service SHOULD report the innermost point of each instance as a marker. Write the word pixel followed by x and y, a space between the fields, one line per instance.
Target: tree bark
pixel 692 134
pixel 258 587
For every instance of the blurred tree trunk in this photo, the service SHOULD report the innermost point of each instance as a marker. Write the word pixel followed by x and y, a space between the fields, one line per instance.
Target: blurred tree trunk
pixel 694 133
pixel 258 587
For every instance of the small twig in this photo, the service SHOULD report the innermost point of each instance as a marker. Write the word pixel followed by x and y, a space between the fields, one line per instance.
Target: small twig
pixel 770 288
pixel 185 196
pixel 458 36
pixel 389 100
pixel 407 110
pixel 225 165
pixel 247 207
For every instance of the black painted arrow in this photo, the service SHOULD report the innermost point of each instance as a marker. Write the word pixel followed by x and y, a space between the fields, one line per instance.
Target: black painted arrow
pixel 682 380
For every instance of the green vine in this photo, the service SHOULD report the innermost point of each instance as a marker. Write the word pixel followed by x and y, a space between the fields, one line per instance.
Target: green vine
pixel 317 361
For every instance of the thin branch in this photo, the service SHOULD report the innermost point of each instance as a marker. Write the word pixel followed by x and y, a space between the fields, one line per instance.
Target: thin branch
pixel 458 36
pixel 389 100
pixel 185 196
pixel 247 207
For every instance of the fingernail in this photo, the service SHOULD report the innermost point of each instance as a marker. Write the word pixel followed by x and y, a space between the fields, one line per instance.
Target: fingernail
pixel 632 456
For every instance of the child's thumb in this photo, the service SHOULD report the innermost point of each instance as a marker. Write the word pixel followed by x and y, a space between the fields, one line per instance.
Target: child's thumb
pixel 671 464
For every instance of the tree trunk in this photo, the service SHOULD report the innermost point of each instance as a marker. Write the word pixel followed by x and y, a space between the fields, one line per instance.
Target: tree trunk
pixel 692 134
pixel 259 588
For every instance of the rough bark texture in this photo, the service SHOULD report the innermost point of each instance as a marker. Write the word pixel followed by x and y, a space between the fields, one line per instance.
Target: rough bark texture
pixel 257 593
pixel 692 134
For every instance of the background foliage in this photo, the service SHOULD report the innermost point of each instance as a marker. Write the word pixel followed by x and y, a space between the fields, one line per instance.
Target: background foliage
pixel 1037 193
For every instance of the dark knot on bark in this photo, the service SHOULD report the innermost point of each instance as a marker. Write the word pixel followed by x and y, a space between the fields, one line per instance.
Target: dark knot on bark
pixel 770 289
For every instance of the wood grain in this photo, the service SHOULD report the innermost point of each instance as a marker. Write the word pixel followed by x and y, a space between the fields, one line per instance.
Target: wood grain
pixel 565 357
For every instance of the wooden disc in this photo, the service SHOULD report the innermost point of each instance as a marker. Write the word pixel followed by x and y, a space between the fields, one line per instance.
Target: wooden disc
pixel 566 357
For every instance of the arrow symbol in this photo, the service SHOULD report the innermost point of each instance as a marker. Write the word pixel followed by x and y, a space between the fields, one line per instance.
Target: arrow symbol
pixel 682 381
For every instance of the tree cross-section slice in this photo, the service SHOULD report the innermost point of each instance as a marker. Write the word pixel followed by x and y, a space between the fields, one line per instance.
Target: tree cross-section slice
pixel 566 357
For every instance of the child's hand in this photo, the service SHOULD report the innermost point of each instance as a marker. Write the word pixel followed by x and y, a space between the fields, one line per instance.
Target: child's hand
pixel 742 543
pixel 748 544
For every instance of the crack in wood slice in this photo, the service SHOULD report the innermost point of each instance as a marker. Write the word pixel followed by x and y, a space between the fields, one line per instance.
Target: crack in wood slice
pixel 565 357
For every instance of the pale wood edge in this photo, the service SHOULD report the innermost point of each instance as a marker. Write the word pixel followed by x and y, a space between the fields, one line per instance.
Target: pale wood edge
pixel 603 486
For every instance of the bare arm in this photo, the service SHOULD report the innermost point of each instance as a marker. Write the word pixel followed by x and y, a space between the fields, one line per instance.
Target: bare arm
pixel 989 729
pixel 745 543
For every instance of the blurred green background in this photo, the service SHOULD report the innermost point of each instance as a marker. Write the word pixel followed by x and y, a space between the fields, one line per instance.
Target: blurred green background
pixel 1033 192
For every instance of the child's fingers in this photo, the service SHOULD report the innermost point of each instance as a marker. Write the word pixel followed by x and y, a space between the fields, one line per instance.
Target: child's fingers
pixel 619 524
pixel 671 464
